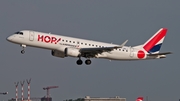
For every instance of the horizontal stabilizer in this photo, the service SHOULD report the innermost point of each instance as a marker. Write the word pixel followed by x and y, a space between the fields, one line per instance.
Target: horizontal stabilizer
pixel 156 54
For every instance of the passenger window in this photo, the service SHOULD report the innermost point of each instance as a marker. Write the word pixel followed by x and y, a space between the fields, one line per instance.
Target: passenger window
pixel 70 41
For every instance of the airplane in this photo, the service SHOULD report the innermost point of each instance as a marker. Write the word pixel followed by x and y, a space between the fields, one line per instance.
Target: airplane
pixel 5 93
pixel 64 46
pixel 139 99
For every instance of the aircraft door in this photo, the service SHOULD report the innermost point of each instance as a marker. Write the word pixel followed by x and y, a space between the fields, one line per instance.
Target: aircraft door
pixel 131 52
pixel 31 36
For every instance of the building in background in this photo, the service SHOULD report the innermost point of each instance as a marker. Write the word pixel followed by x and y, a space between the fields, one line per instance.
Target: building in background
pixel 88 98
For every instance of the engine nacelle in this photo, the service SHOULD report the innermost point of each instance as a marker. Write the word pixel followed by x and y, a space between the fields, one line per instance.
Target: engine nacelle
pixel 70 51
pixel 57 53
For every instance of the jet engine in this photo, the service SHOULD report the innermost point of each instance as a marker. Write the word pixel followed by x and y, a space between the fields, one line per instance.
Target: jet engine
pixel 57 53
pixel 71 51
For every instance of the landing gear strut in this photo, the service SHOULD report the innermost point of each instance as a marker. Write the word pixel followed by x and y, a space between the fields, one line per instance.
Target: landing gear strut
pixel 79 61
pixel 23 50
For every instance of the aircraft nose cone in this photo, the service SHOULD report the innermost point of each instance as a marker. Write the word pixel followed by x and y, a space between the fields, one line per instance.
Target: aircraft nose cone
pixel 9 38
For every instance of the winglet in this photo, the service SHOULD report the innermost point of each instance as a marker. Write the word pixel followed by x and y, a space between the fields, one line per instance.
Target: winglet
pixel 123 44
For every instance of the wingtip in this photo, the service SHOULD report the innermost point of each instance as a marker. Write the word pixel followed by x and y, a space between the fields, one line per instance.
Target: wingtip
pixel 164 28
pixel 170 52
pixel 125 42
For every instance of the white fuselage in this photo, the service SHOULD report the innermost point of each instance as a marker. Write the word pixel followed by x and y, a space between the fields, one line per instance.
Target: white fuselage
pixel 59 42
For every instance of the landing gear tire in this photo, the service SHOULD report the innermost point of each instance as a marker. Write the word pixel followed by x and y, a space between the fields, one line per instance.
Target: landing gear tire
pixel 79 62
pixel 23 51
pixel 88 62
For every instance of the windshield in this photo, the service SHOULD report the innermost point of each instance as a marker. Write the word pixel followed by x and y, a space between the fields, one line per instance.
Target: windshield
pixel 21 33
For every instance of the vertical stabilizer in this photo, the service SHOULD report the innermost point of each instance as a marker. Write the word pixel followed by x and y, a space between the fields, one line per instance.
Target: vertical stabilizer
pixel 153 45
pixel 139 99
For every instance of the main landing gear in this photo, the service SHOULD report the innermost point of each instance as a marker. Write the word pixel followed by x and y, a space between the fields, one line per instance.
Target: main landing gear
pixel 88 62
pixel 23 50
pixel 80 62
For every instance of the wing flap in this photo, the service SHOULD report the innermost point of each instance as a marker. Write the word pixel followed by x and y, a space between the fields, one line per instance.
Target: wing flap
pixel 91 52
pixel 102 49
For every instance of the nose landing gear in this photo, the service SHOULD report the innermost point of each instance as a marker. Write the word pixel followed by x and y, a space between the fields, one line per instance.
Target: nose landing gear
pixel 23 50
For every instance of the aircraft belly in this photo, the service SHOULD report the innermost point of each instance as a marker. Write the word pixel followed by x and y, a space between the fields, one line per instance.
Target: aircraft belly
pixel 122 56
pixel 118 56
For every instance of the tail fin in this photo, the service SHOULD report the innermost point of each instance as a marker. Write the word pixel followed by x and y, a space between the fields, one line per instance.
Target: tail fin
pixel 139 99
pixel 153 45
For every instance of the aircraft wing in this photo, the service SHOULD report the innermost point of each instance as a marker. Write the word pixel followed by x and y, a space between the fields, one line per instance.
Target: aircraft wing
pixel 156 54
pixel 94 51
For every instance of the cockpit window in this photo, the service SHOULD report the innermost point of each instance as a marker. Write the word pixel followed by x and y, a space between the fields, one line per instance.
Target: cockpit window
pixel 21 33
